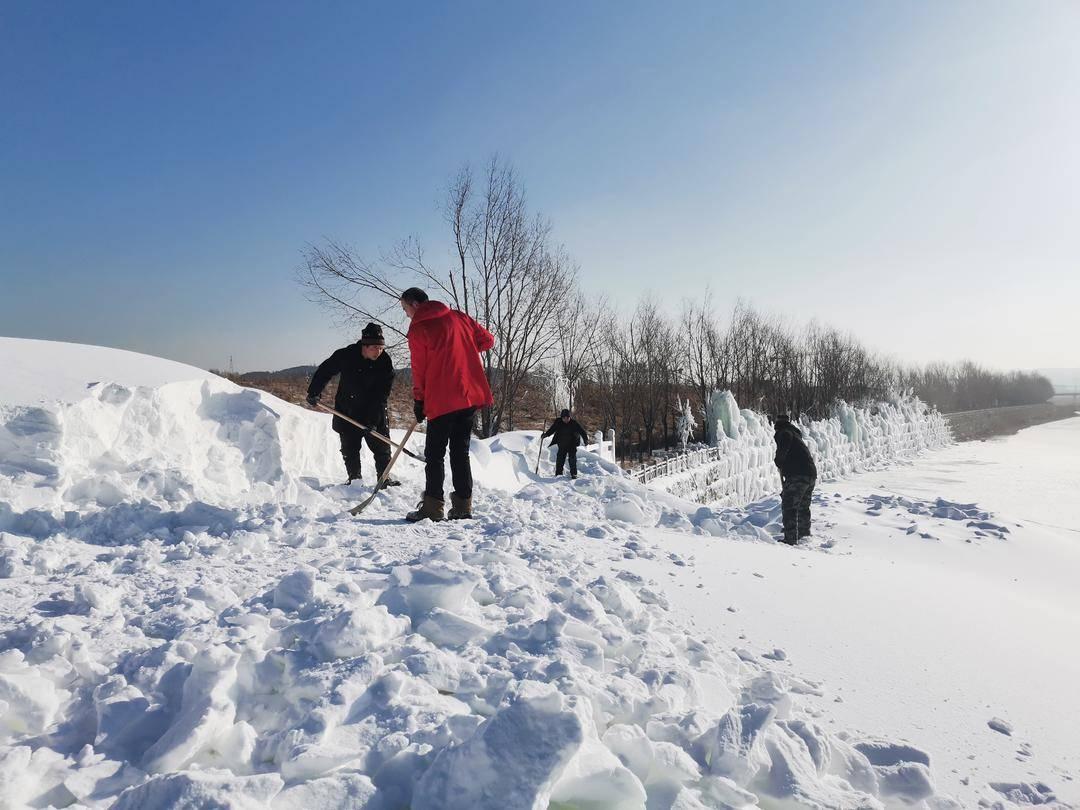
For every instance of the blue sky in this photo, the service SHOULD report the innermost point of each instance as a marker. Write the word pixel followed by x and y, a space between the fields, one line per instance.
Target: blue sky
pixel 908 171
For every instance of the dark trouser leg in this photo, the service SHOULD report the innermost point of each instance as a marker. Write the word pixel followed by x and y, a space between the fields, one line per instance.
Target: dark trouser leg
pixel 379 449
pixel 560 461
pixel 571 454
pixel 460 467
pixel 789 510
pixel 351 442
pixel 796 488
pixel 438 436
pixel 804 508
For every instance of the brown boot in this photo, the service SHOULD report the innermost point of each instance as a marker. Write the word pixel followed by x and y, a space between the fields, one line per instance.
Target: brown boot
pixel 430 508
pixel 460 508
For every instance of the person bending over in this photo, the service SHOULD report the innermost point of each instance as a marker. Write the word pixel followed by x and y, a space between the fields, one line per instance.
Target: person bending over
pixel 367 374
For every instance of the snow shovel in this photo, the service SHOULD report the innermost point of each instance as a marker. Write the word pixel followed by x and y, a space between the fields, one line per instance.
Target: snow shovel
pixel 374 433
pixel 356 510
pixel 538 456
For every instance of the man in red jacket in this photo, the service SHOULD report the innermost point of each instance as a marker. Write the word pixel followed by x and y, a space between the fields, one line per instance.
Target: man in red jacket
pixel 449 384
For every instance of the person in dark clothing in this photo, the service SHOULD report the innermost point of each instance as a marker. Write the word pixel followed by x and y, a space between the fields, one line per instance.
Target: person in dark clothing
pixel 367 374
pixel 565 432
pixel 798 475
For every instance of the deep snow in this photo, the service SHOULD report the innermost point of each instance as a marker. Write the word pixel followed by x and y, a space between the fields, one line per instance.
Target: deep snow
pixel 926 617
pixel 189 617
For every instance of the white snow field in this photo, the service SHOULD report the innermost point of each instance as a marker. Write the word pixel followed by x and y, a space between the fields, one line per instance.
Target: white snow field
pixel 190 619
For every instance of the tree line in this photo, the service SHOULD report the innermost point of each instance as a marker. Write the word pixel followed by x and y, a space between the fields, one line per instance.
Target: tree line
pixel 624 371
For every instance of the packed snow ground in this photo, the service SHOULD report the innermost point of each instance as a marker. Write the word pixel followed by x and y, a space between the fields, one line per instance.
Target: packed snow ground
pixel 189 617
pixel 925 615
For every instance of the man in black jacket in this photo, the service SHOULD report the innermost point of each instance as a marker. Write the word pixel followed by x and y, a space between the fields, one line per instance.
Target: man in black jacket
pixel 565 432
pixel 798 474
pixel 367 373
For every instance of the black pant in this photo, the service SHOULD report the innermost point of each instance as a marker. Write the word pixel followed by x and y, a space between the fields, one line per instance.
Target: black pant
pixel 351 442
pixel 561 457
pixel 453 429
pixel 795 504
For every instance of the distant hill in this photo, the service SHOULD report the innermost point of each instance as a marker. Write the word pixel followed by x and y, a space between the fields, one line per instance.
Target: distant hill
pixel 295 371
pixel 300 373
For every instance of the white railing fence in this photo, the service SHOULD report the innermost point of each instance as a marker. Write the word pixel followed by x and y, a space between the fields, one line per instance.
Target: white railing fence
pixel 680 462
pixel 605 448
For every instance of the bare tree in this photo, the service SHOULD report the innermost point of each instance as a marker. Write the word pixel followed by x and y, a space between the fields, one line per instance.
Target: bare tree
pixel 520 285
pixel 579 326
pixel 353 290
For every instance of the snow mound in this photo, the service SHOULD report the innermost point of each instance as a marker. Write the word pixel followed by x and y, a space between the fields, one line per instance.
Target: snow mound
pixel 42 371
pixel 194 621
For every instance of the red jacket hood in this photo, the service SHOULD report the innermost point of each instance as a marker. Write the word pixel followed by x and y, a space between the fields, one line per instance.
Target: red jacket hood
pixel 428 310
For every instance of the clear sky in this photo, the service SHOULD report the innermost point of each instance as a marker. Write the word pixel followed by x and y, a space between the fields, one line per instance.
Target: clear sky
pixel 909 171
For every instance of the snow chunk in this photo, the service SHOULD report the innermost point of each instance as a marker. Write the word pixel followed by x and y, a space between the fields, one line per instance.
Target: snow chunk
pixel 31 701
pixel 351 790
pixel 208 712
pixel 429 584
pixel 96 596
pixel 1025 793
pixel 355 632
pixel 733 748
pixel 596 778
pixel 886 753
pixel 295 590
pixel 198 790
pixel 1000 726
pixel 511 763
pixel 662 764
pixel 447 629
pixel 626 508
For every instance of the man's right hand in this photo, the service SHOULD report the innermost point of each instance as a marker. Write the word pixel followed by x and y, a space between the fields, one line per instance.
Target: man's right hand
pixel 312 400
pixel 418 410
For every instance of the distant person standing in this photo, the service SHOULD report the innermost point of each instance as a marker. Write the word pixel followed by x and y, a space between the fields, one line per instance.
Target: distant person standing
pixel 798 475
pixel 565 433
pixel 449 384
pixel 367 374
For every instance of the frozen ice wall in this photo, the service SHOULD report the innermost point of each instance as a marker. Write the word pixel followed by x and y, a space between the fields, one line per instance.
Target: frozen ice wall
pixel 851 440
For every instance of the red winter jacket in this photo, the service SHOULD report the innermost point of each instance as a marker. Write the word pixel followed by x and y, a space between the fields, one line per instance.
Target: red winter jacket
pixel 445 346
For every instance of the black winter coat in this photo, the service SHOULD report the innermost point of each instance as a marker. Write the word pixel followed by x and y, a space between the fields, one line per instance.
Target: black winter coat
pixel 565 434
pixel 792 455
pixel 363 389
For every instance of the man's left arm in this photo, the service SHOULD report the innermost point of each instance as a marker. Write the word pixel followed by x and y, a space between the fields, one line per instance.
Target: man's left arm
pixel 387 381
pixel 482 337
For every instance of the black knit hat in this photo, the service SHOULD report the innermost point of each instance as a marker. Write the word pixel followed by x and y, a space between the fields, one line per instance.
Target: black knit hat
pixel 565 412
pixel 372 335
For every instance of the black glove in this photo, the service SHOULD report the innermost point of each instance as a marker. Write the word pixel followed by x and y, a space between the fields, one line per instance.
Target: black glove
pixel 418 410
pixel 312 400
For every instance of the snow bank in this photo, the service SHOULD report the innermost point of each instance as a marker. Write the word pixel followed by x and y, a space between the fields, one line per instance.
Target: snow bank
pixel 193 620
pixel 42 371
pixel 853 440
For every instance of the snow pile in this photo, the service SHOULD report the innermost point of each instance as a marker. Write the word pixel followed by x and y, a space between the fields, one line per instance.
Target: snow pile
pixel 495 670
pixel 145 452
pixel 854 440
pixel 191 619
